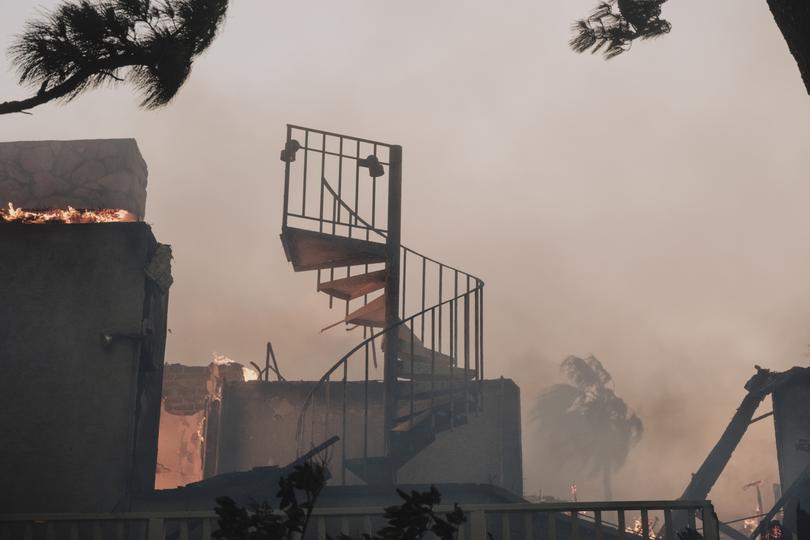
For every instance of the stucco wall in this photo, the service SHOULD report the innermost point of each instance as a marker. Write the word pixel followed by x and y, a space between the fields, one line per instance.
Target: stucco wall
pixel 79 417
pixel 259 419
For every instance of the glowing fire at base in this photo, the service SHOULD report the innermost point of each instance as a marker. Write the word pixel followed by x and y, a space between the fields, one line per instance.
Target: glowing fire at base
pixel 71 215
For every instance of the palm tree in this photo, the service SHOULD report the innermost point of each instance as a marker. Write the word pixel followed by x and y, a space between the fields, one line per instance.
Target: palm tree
pixel 615 24
pixel 83 44
pixel 584 423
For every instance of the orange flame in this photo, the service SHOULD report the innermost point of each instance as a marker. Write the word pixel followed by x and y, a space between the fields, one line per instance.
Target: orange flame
pixel 71 215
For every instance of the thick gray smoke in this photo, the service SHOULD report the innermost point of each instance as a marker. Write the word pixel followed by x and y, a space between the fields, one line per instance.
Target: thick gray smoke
pixel 584 423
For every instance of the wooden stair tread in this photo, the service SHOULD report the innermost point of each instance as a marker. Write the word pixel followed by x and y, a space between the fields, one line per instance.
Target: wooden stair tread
pixel 352 287
pixel 372 314
pixel 313 250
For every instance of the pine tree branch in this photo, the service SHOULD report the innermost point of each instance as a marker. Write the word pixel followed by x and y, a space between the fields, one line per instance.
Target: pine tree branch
pixel 71 84
pixel 793 20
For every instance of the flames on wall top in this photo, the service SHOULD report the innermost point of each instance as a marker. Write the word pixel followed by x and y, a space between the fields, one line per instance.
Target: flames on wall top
pixel 70 215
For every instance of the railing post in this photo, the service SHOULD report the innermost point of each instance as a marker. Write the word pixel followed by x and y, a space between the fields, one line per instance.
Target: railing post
pixel 392 243
pixel 154 529
pixel 478 525
pixel 711 525
pixel 286 183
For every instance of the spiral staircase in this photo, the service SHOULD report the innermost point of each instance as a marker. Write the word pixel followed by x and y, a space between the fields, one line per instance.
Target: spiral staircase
pixel 341 219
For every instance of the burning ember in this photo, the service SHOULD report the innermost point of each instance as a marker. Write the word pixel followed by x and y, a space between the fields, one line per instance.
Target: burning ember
pixel 71 215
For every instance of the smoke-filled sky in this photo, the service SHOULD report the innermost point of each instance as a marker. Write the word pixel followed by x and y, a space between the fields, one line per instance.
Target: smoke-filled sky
pixel 651 210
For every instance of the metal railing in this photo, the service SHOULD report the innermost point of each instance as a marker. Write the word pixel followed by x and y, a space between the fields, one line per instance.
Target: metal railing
pixel 439 305
pixel 551 521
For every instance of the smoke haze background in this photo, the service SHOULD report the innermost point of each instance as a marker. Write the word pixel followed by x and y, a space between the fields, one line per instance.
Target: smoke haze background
pixel 651 210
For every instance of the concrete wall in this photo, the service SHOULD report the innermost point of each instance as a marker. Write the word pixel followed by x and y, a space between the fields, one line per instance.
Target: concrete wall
pixel 259 420
pixel 190 401
pixel 791 408
pixel 80 412
pixel 486 450
pixel 107 173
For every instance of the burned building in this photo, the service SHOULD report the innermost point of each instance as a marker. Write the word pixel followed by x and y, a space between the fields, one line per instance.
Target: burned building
pixel 84 288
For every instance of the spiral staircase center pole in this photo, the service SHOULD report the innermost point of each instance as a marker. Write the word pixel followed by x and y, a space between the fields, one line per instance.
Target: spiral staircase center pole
pixel 392 294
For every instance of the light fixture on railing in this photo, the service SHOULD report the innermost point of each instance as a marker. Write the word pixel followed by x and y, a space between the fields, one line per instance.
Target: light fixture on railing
pixel 288 154
pixel 375 168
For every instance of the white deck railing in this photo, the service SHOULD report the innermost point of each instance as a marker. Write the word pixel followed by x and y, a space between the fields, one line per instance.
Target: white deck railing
pixel 627 520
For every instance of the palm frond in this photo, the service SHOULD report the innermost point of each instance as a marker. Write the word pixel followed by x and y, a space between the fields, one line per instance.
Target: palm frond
pixel 613 26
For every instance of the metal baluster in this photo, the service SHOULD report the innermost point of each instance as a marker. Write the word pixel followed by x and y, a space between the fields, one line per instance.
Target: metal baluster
pixel 478 525
pixel 183 529
pixel 343 427
pixel 154 529
pixel 481 347
pixel 645 524
pixel 335 205
pixel 711 528
pixel 528 523
pixel 621 526
pixel 668 532
pixel 206 529
pixel 477 351
pixel 466 354
pixel 574 525
pixel 433 365
pixel 286 184
pixel 321 525
pixel 505 532
pixel 373 198
pixel 312 418
pixel 552 526
pixel 412 375
pixel 74 531
pixel 323 176
pixel 404 278
pixel 455 319
pixel 691 519
pixel 424 263
pixel 365 408
pixel 356 189
pixel 328 392
pixel 97 531
pixel 452 367
pixel 306 154
pixel 441 308
pixel 597 523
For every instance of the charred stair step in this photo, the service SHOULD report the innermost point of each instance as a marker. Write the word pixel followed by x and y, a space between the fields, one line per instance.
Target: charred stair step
pixel 353 287
pixel 313 250
pixel 404 426
pixel 411 346
pixel 417 369
pixel 372 314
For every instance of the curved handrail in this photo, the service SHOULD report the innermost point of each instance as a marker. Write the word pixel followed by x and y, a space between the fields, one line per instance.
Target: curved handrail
pixel 479 284
pixel 344 359
pixel 384 233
